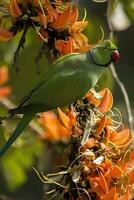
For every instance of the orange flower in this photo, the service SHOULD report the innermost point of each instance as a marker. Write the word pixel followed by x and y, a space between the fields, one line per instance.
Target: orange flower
pixel 103 165
pixel 57 128
pixel 57 18
pixel 103 100
pixel 77 42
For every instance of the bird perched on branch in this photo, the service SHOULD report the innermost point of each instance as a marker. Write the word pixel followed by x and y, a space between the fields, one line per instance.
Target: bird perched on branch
pixel 69 79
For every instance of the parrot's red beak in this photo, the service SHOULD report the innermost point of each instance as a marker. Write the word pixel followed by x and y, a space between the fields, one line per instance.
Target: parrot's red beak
pixel 115 56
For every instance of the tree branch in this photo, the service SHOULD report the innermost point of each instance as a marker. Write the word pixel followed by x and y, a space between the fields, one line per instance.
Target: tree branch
pixel 8 104
pixel 20 45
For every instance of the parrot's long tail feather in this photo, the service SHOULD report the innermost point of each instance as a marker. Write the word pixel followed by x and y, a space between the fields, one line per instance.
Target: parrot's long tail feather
pixel 22 124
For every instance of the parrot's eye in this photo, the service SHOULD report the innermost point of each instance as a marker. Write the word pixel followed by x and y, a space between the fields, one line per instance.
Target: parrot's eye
pixel 115 56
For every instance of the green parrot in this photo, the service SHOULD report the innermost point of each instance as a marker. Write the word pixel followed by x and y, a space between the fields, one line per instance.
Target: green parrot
pixel 69 79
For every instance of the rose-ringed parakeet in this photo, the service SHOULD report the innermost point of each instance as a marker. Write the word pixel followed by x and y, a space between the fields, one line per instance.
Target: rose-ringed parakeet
pixel 69 79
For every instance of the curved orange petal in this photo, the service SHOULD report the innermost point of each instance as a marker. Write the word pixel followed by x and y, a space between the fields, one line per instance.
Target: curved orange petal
pixel 64 119
pixel 127 143
pixel 62 19
pixel 113 134
pixel 52 13
pixel 72 116
pixel 102 183
pixel 90 94
pixel 14 8
pixel 63 131
pixel 74 15
pixel 102 93
pixel 100 127
pixel 43 20
pixel 121 137
pixel 93 98
pixel 107 101
pixel 5 35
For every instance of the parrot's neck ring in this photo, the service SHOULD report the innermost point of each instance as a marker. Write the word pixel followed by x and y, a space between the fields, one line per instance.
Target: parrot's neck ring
pixel 101 65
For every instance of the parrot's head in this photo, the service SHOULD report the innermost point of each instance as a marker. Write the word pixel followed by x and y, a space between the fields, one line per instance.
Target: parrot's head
pixel 104 53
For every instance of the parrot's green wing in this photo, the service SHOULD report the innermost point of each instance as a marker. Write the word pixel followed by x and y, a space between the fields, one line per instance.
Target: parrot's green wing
pixel 54 67
pixel 61 86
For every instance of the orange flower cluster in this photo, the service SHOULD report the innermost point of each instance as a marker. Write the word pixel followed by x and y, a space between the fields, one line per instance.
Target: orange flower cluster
pixel 54 130
pixel 4 90
pixel 55 22
pixel 102 165
pixel 57 129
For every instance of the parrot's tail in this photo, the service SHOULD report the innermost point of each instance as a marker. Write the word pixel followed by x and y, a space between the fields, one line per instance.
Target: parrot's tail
pixel 22 124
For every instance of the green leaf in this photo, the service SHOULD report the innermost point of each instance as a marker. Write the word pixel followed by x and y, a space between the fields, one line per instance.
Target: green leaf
pixel 17 161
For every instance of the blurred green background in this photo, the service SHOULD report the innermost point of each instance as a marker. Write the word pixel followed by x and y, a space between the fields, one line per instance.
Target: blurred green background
pixel 18 181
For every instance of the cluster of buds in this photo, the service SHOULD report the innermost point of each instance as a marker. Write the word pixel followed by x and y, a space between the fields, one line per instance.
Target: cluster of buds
pixel 99 161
